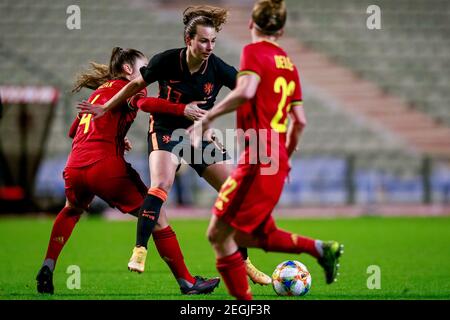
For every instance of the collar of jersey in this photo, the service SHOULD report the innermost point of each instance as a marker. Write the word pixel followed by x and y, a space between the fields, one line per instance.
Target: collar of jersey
pixel 184 67
pixel 270 41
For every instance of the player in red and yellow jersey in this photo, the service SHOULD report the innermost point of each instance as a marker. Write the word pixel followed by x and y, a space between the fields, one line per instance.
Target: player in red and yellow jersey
pixel 267 93
pixel 96 165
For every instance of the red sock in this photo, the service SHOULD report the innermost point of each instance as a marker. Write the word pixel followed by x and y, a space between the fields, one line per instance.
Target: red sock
pixel 282 241
pixel 169 249
pixel 232 270
pixel 64 223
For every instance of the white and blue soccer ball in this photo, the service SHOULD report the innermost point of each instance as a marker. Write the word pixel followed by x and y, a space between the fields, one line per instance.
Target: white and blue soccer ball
pixel 291 278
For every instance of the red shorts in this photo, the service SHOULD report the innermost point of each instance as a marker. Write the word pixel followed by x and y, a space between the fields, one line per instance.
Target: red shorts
pixel 247 199
pixel 112 179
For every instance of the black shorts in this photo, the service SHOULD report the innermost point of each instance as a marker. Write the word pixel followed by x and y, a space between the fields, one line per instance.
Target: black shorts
pixel 199 159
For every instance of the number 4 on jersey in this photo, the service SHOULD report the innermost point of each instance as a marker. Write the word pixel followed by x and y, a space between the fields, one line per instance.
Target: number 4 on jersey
pixel 86 118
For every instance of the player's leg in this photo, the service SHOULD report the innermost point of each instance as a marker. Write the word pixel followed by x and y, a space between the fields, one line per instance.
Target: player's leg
pixel 274 239
pixel 63 225
pixel 116 175
pixel 229 261
pixel 120 186
pixel 168 247
pixel 76 202
pixel 163 167
pixel 215 175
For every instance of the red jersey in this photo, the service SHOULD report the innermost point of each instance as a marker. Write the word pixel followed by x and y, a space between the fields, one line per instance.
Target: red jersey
pixel 278 91
pixel 103 137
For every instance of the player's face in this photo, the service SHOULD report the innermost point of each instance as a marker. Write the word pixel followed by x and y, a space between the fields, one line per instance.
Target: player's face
pixel 202 45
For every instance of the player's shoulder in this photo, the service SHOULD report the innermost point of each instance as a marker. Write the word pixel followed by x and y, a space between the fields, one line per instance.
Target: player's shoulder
pixel 259 49
pixel 218 62
pixel 169 54
pixel 251 47
pixel 115 84
pixel 110 87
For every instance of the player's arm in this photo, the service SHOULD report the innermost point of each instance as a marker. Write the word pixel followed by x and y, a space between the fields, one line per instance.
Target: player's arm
pixel 133 87
pixel 121 97
pixel 157 105
pixel 246 87
pixel 227 74
pixel 148 74
pixel 74 127
pixel 297 125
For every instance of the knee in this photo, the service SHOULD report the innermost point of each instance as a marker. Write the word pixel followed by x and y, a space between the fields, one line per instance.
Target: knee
pixel 73 210
pixel 72 213
pixel 211 235
pixel 214 236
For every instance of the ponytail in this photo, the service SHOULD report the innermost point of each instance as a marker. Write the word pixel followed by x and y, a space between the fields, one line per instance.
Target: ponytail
pixel 98 74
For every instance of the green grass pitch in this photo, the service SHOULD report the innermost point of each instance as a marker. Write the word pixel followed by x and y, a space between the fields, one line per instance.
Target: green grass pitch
pixel 412 253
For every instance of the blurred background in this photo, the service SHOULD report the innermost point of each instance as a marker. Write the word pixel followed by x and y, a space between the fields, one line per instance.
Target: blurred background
pixel 377 101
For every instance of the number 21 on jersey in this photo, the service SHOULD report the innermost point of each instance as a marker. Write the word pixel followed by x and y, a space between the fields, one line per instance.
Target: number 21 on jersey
pixel 86 118
pixel 280 120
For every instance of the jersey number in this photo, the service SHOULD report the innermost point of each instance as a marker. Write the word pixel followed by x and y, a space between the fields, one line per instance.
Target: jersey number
pixel 86 118
pixel 227 188
pixel 280 120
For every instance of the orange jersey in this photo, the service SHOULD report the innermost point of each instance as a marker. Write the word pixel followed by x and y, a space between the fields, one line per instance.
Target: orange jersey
pixel 103 137
pixel 279 90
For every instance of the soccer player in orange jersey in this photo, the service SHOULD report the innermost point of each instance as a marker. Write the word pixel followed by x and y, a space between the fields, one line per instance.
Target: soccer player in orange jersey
pixel 96 164
pixel 267 93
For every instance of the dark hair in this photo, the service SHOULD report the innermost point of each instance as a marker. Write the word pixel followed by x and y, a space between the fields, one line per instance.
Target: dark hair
pixel 203 15
pixel 100 73
pixel 269 16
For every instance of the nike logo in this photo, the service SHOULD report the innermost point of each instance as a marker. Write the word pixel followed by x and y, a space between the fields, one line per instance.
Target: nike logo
pixel 149 214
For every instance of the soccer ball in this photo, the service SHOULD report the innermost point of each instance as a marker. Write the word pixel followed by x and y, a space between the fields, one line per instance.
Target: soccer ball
pixel 291 278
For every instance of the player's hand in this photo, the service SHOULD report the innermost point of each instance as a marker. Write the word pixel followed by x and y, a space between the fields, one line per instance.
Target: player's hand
pixel 196 131
pixel 96 110
pixel 209 135
pixel 193 112
pixel 128 145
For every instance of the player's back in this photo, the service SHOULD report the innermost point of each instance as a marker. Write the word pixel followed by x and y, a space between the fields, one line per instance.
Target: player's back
pixel 96 140
pixel 278 90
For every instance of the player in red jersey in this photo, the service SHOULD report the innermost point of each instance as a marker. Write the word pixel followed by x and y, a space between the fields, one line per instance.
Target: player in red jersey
pixel 267 93
pixel 183 74
pixel 96 165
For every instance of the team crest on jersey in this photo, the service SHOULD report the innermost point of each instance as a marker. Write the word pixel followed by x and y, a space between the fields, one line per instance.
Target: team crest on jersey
pixel 166 138
pixel 208 88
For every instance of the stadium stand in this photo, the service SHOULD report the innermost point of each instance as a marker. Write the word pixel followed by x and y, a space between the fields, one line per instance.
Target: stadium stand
pixel 408 57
